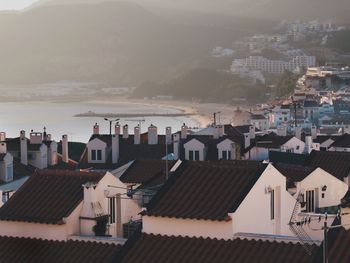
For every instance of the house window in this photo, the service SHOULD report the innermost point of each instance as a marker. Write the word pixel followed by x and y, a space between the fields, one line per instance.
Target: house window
pixel 96 155
pixel 272 204
pixel 310 201
pixel 9 173
pixel 111 208
pixel 226 155
pixel 193 155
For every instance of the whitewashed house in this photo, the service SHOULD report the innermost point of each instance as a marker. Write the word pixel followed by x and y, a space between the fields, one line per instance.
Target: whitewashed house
pixel 68 205
pixel 235 198
pixel 264 144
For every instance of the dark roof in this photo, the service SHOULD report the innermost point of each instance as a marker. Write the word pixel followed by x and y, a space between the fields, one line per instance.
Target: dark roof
pixel 14 249
pixel 310 104
pixel 322 138
pixel 345 201
pixel 335 163
pixel 13 144
pixel 129 151
pixel 271 141
pixel 338 245
pixel 293 173
pixel 107 138
pixel 285 157
pixel 146 172
pixel 342 141
pixel 2 156
pixel 48 196
pixel 157 248
pixel 206 190
pixel 75 150
pixel 238 130
pixel 258 117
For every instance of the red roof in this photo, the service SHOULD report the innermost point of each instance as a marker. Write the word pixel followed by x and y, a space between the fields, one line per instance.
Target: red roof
pixel 206 190
pixel 156 248
pixel 48 196
pixel 38 250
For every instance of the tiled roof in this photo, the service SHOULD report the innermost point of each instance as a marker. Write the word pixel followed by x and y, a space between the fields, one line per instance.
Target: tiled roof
pixel 258 117
pixel 293 173
pixel 289 158
pixel 335 163
pixel 342 142
pixel 48 196
pixel 128 151
pixel 272 141
pixel 345 201
pixel 338 245
pixel 146 172
pixel 13 144
pixel 205 190
pixel 156 248
pixel 310 104
pixel 38 250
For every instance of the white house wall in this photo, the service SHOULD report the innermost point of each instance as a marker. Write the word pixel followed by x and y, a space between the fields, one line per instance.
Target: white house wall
pixel 194 145
pixel 253 215
pixel 336 189
pixel 187 227
pixel 97 144
pixel 43 231
pixel 294 144
pixel 225 145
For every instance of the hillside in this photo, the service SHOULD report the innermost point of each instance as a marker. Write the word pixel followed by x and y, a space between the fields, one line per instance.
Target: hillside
pixel 116 42
pixel 336 10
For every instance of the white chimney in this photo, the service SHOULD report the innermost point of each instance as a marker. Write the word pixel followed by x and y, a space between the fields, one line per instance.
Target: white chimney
pixel 168 135
pixel 2 136
pixel 152 135
pixel 24 148
pixel 298 132
pixel 246 140
pixel 282 131
pixel 184 131
pixel 176 143
pixel 96 129
pixel 117 129
pixel 221 130
pixel 314 132
pixel 65 153
pixel 115 149
pixel 216 132
pixel 137 135
pixel 235 151
pixel 252 131
pixel 125 131
pixel 308 144
pixel 36 138
pixel 3 148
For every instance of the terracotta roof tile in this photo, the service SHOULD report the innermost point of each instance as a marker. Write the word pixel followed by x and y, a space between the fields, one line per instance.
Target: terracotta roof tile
pixel 335 163
pixel 156 248
pixel 47 196
pixel 146 171
pixel 37 250
pixel 191 191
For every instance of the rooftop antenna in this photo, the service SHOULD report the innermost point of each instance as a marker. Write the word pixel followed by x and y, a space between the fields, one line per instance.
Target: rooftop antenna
pixel 110 124
pixel 140 121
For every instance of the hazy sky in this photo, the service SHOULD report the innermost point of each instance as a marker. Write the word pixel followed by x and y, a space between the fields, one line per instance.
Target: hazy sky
pixel 15 4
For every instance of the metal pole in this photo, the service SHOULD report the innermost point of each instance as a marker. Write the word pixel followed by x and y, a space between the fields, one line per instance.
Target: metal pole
pixel 166 162
pixel 325 256
pixel 110 127
pixel 214 118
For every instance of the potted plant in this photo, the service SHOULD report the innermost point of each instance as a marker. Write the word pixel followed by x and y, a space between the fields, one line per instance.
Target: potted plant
pixel 101 226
